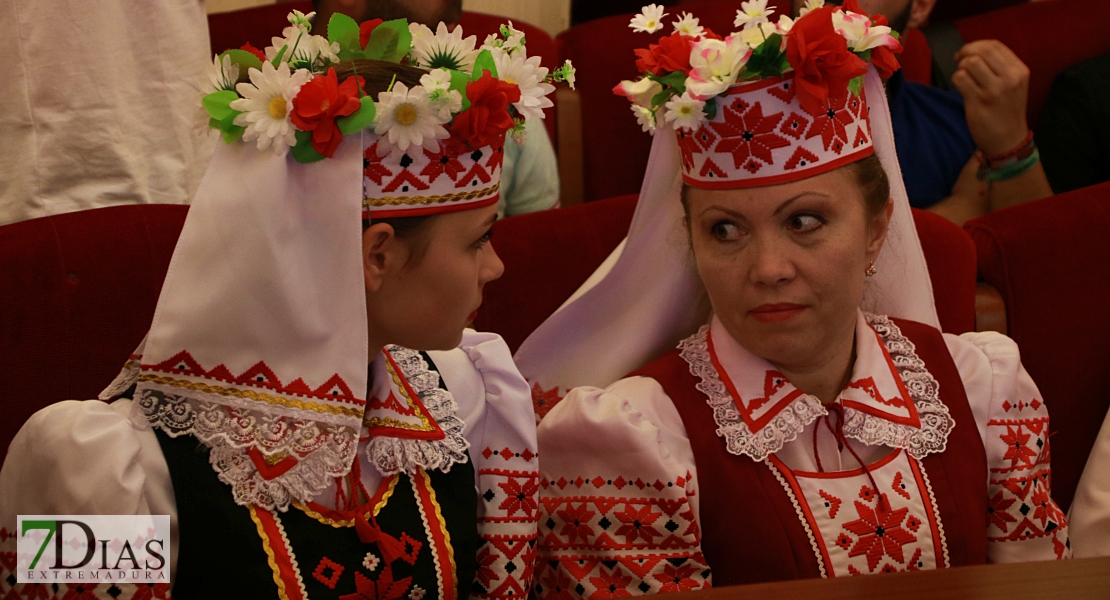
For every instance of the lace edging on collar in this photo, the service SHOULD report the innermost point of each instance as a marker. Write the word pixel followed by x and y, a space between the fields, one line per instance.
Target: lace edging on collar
pixel 931 437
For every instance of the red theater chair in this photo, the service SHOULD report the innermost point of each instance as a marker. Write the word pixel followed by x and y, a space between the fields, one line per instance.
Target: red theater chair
pixel 1048 259
pixel 1077 26
pixel 77 294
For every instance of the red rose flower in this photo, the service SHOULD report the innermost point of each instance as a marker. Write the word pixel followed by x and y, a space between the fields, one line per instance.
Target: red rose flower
pixel 821 59
pixel 672 53
pixel 885 61
pixel 255 51
pixel 319 103
pixel 365 29
pixel 488 116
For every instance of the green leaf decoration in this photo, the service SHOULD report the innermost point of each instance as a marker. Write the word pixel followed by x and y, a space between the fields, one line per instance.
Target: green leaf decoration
pixel 280 55
pixel 344 31
pixel 710 108
pixel 484 62
pixel 856 85
pixel 458 83
pixel 661 98
pixel 361 119
pixel 675 81
pixel 865 56
pixel 244 59
pixel 390 41
pixel 303 152
pixel 232 135
pixel 218 104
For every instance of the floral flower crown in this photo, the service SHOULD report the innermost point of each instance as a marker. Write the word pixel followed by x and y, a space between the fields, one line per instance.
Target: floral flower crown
pixel 828 48
pixel 289 97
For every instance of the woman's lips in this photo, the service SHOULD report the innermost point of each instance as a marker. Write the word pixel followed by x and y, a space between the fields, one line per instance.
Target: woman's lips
pixel 776 313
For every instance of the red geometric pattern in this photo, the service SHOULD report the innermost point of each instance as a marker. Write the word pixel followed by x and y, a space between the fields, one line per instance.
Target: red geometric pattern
pixel 372 167
pixel 621 577
pixel 509 488
pixel 258 376
pixel 1020 483
pixel 768 138
pixel 544 400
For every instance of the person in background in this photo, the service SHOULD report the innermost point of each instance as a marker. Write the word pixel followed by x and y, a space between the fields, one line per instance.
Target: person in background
pixel 99 106
pixel 962 154
pixel 530 175
pixel 1074 132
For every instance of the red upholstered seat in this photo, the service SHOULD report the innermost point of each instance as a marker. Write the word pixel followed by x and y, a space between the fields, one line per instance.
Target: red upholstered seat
pixel 77 294
pixel 1078 26
pixel 950 254
pixel 1048 259
pixel 255 25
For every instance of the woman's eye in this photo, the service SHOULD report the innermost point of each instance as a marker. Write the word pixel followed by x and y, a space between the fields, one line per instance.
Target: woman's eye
pixel 805 223
pixel 725 231
pixel 482 241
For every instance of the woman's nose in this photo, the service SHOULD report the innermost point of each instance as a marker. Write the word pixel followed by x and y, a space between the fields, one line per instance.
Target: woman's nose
pixel 770 262
pixel 492 267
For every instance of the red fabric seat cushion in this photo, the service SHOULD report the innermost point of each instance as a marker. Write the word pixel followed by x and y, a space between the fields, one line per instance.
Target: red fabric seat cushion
pixel 255 25
pixel 1079 25
pixel 950 255
pixel 1049 260
pixel 77 294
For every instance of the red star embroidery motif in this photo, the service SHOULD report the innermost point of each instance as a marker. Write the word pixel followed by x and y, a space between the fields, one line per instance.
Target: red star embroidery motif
pixel 880 532
pixel 80 591
pixel 440 162
pixel 520 496
pixel 1017 451
pixel 382 589
pixel 1046 509
pixel 372 166
pixel 544 400
pixel 611 585
pixel 557 586
pixel 831 123
pixel 484 572
pixel 749 135
pixel 637 524
pixel 576 522
pixel 677 579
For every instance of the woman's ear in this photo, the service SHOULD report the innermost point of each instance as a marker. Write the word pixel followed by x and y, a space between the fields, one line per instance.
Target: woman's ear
pixel 919 13
pixel 379 249
pixel 879 227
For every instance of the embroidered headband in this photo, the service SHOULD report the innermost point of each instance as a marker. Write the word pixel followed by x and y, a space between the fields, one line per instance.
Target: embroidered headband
pixel 771 103
pixel 430 148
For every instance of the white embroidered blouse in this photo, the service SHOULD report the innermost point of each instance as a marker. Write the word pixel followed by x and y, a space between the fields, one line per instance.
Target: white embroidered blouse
pixel 619 483
pixel 88 457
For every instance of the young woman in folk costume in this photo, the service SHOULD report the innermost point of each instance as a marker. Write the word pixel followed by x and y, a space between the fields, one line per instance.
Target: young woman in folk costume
pixel 812 421
pixel 249 415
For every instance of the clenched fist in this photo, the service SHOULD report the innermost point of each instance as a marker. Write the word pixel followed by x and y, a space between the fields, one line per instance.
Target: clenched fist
pixel 995 86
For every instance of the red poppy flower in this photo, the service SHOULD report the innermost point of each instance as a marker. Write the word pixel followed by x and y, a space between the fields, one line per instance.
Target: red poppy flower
pixel 319 103
pixel 364 30
pixel 255 51
pixel 488 116
pixel 672 53
pixel 821 59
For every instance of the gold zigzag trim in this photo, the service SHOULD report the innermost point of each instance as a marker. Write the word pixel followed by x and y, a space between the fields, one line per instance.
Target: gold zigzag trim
pixel 425 425
pixel 253 395
pixel 405 200
pixel 337 523
pixel 266 541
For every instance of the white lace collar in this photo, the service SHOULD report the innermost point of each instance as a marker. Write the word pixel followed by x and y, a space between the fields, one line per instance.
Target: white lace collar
pixel 891 399
pixel 272 460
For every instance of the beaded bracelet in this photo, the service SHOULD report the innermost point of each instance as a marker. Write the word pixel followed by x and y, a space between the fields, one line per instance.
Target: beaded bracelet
pixel 1010 164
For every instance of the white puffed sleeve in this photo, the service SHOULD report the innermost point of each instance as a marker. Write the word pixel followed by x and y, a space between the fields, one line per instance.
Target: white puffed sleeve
pixel 495 403
pixel 1090 511
pixel 617 496
pixel 1025 524
pixel 84 458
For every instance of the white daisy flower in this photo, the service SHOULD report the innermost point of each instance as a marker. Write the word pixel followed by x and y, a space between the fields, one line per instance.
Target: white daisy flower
pixel 442 49
pixel 222 75
pixel 785 24
pixel 528 75
pixel 417 593
pixel 688 25
pixel 685 112
pixel 298 18
pixel 437 83
pixel 302 46
pixel 371 562
pixel 754 36
pixel 510 40
pixel 408 118
pixel 810 5
pixel 568 74
pixel 752 13
pixel 650 20
pixel 645 118
pixel 266 103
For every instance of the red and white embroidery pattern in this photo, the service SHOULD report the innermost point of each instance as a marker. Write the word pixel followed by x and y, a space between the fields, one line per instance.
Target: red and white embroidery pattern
pixel 760 136
pixel 606 538
pixel 509 496
pixel 859 530
pixel 1021 505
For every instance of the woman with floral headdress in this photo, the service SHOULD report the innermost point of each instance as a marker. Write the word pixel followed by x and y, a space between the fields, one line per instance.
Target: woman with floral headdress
pixel 812 421
pixel 308 407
